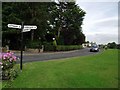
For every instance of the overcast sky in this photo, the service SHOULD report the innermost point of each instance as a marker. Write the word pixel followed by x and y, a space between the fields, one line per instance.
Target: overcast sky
pixel 100 23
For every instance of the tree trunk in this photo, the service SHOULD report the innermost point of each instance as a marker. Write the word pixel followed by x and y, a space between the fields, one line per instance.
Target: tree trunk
pixel 59 31
pixel 32 35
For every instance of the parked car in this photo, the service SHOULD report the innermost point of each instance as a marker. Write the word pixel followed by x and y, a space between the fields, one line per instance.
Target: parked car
pixel 94 48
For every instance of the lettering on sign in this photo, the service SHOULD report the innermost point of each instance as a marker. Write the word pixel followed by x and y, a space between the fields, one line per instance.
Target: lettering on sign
pixel 14 26
pixel 30 27
pixel 26 30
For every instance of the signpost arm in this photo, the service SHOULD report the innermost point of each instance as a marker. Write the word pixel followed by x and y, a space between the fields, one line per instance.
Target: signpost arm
pixel 21 46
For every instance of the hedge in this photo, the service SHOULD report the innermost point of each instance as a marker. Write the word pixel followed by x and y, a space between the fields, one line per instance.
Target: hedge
pixel 62 47
pixel 68 47
pixel 34 45
pixel 49 48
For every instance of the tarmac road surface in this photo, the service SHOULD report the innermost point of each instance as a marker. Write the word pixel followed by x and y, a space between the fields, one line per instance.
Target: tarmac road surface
pixel 31 57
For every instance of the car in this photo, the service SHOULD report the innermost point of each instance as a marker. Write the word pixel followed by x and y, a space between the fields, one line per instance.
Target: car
pixel 94 48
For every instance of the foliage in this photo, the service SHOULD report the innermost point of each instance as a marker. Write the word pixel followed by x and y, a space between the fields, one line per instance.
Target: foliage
pixel 48 46
pixel 8 61
pixel 118 46
pixel 33 44
pixel 62 47
pixel 54 43
pixel 68 47
pixel 62 19
pixel 112 45
pixel 31 13
pixel 66 20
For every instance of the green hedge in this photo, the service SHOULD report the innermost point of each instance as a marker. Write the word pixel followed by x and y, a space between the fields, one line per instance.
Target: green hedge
pixel 48 48
pixel 62 47
pixel 34 45
pixel 68 47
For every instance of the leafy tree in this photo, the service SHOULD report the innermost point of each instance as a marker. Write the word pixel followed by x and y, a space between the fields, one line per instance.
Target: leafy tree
pixel 30 13
pixel 66 22
pixel 112 45
pixel 63 20
pixel 10 15
pixel 118 46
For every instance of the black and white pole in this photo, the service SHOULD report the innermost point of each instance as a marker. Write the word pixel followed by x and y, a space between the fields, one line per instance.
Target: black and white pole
pixel 21 45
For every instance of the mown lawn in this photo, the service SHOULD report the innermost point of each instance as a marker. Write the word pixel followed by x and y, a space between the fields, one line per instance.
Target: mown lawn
pixel 94 71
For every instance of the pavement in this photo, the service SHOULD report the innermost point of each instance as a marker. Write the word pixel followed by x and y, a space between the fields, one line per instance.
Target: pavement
pixel 32 57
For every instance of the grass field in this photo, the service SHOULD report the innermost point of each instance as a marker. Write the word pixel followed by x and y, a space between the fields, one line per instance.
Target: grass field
pixel 94 71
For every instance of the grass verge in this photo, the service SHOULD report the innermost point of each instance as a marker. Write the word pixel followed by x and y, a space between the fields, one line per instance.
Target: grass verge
pixel 94 71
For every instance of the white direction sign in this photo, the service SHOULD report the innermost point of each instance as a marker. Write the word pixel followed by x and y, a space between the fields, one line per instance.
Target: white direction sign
pixel 14 26
pixel 26 30
pixel 30 27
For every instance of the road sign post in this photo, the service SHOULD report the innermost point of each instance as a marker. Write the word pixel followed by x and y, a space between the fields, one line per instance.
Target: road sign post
pixel 21 46
pixel 24 28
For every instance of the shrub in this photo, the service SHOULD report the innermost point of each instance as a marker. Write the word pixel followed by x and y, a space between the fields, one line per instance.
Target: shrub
pixel 48 46
pixel 118 46
pixel 68 47
pixel 62 47
pixel 34 44
pixel 8 61
pixel 112 45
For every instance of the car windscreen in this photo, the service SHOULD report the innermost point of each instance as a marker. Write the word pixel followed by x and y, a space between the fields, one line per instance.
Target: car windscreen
pixel 95 46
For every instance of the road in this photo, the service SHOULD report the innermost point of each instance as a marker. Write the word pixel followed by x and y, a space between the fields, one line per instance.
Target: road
pixel 31 57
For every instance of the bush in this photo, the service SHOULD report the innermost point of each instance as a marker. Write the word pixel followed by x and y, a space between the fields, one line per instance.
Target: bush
pixel 48 46
pixel 62 47
pixel 7 64
pixel 118 46
pixel 34 45
pixel 68 47
pixel 112 45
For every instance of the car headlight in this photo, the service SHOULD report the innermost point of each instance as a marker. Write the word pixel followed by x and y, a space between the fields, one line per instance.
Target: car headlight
pixel 95 48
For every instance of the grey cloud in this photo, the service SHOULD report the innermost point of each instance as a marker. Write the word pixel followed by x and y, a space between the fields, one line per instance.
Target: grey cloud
pixel 103 38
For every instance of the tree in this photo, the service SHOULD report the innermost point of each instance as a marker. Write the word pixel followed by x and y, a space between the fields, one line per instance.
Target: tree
pixel 30 13
pixel 112 45
pixel 10 15
pixel 63 20
pixel 118 46
pixel 67 20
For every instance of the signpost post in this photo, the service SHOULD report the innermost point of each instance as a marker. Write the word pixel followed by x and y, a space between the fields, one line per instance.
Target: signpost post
pixel 21 46
pixel 24 28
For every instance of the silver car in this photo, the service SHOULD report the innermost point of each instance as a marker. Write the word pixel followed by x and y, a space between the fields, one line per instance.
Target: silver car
pixel 94 48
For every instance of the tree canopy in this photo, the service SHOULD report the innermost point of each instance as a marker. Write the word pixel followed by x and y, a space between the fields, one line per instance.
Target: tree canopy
pixel 62 20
